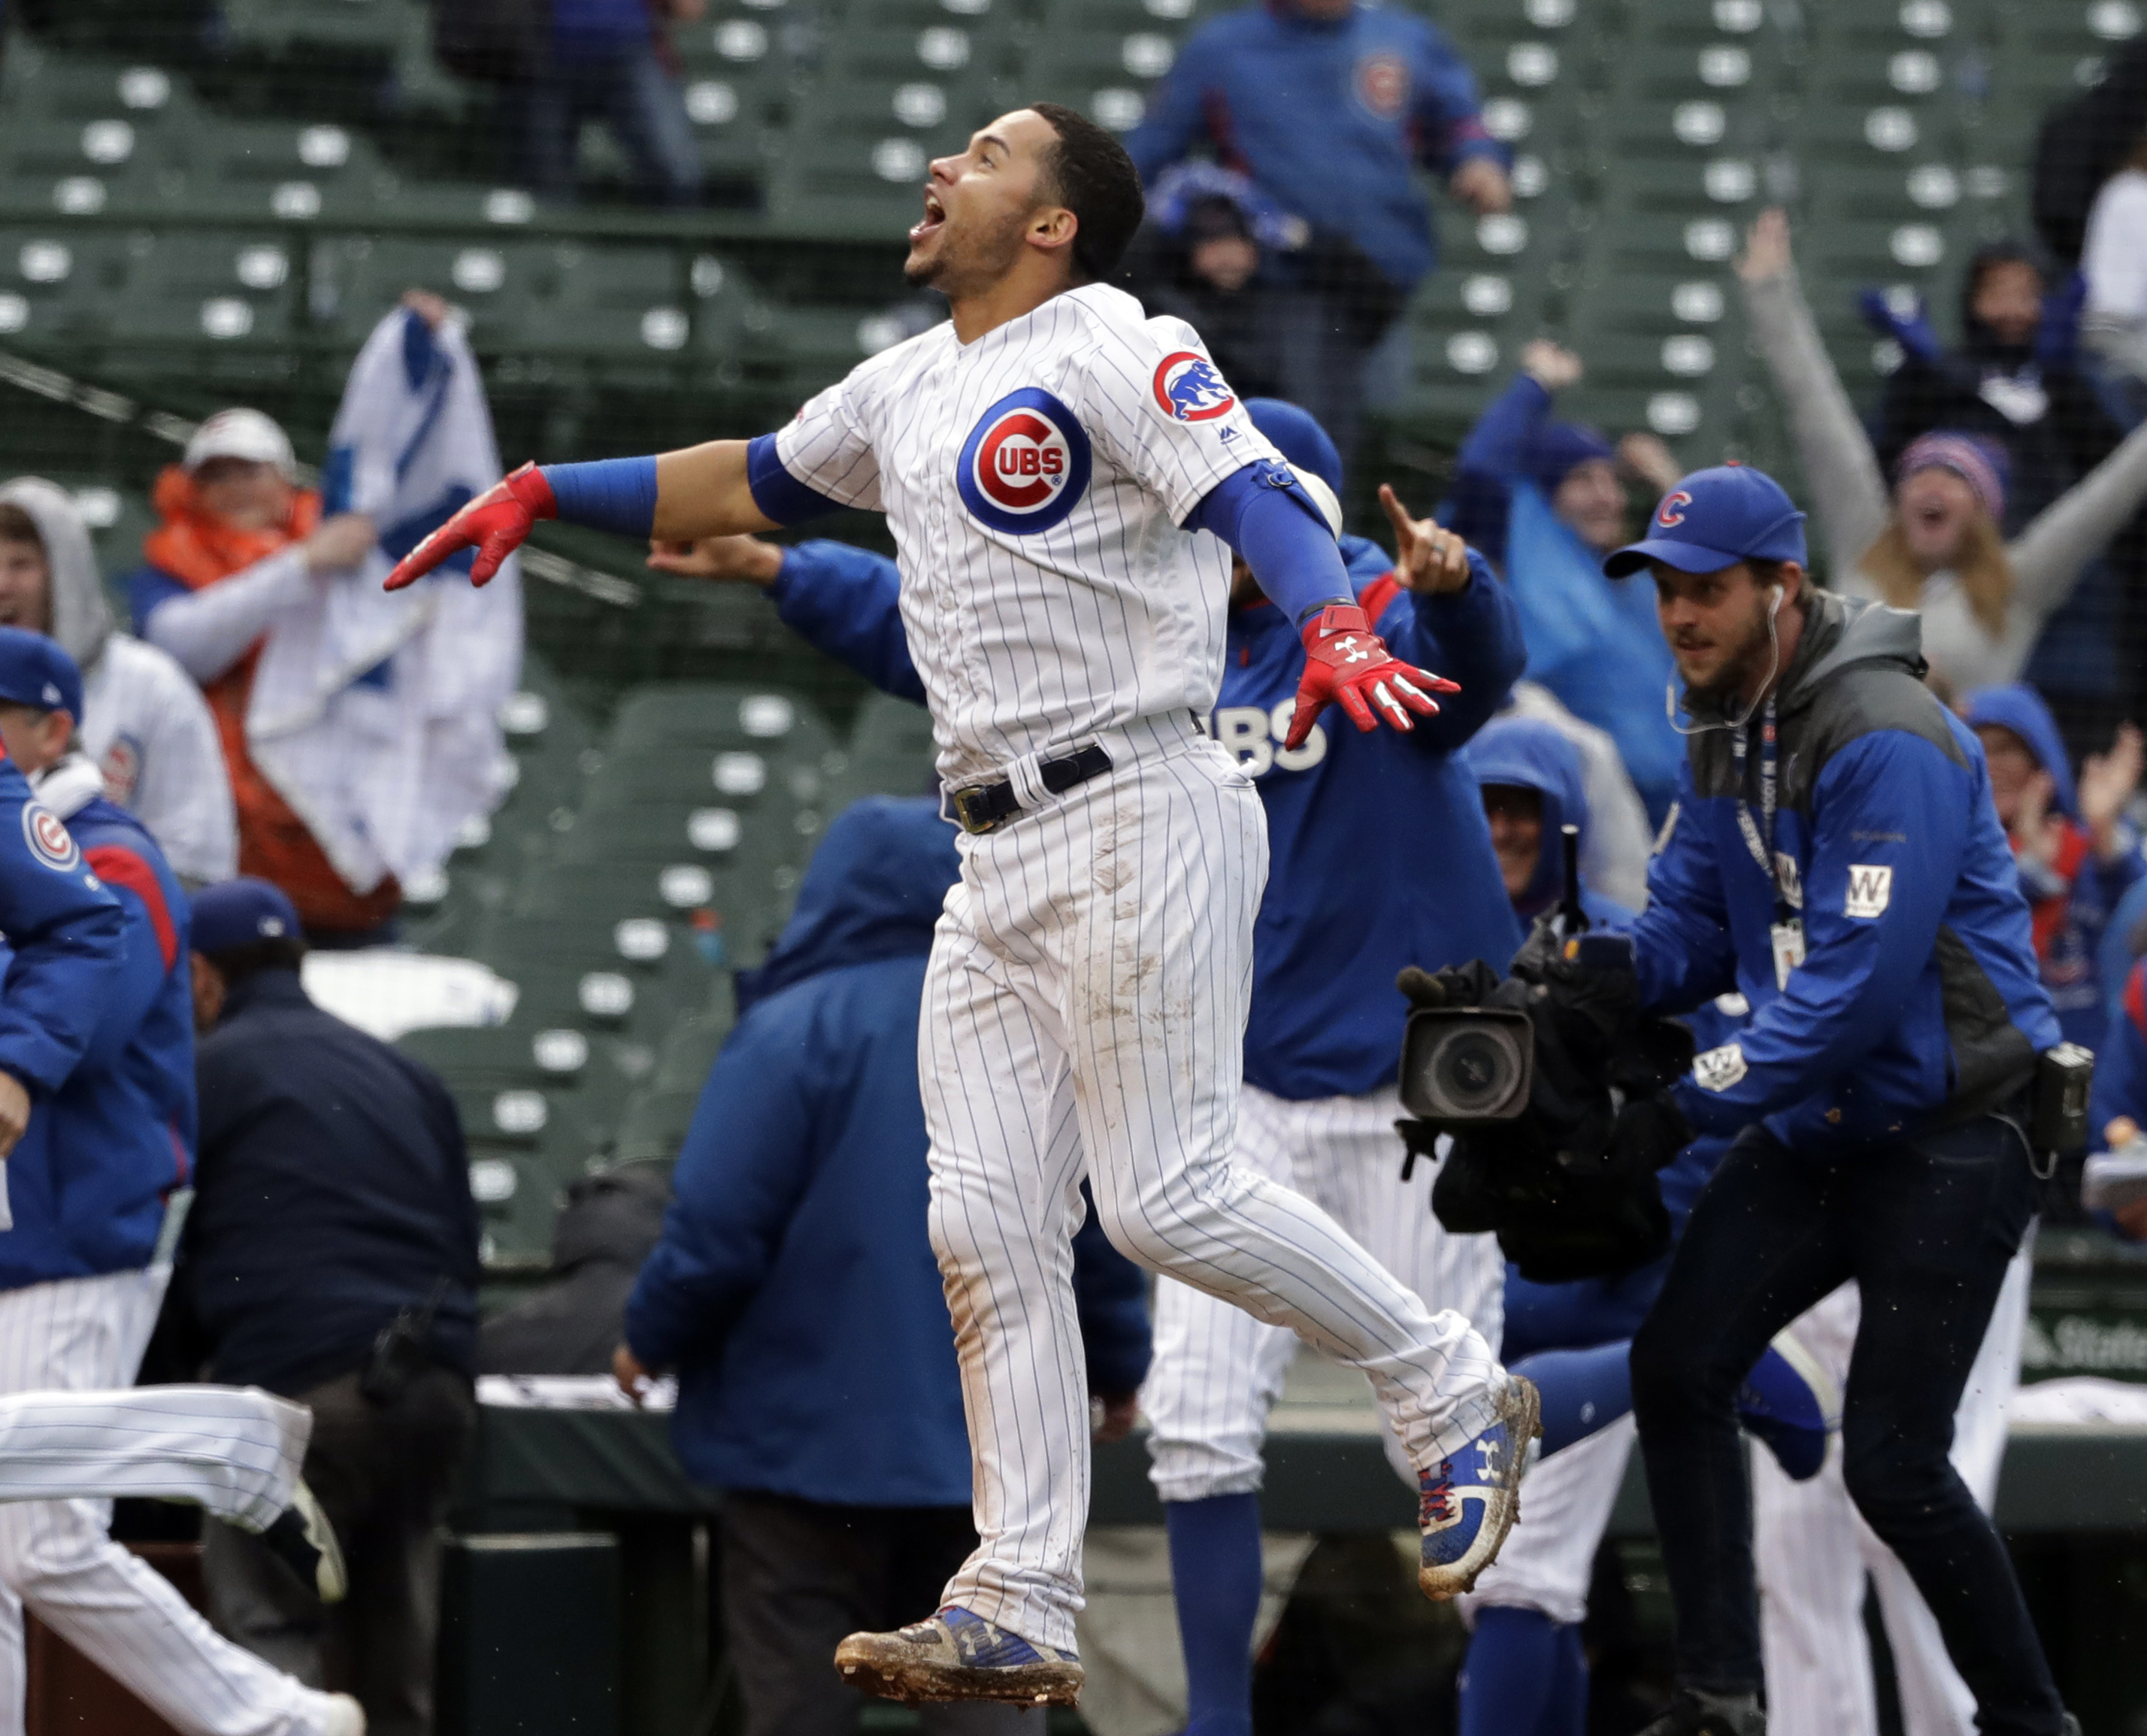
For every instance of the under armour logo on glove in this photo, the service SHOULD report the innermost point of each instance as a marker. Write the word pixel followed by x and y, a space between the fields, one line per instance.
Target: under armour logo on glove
pixel 496 523
pixel 1347 663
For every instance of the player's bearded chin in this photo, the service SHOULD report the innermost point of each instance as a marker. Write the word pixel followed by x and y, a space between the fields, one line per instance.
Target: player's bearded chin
pixel 963 261
pixel 1741 666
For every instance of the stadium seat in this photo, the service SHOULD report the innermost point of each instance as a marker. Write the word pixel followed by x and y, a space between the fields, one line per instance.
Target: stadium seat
pixel 891 753
pixel 223 287
pixel 1469 320
pixel 57 282
pixel 359 278
pixel 273 169
pixel 708 714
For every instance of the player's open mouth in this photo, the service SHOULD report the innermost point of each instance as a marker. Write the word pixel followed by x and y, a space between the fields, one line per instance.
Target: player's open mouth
pixel 935 214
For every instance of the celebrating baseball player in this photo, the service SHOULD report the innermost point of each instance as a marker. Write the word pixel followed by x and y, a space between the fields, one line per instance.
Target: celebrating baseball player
pixel 1044 460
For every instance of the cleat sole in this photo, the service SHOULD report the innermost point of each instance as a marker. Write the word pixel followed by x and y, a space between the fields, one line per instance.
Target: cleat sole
pixel 881 1665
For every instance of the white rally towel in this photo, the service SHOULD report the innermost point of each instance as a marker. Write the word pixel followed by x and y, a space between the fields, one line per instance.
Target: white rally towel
pixel 375 716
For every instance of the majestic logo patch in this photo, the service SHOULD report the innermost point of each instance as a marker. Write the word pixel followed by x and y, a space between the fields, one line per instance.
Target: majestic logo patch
pixel 1383 84
pixel 1718 1069
pixel 1671 512
pixel 1188 389
pixel 1024 465
pixel 49 841
pixel 1871 890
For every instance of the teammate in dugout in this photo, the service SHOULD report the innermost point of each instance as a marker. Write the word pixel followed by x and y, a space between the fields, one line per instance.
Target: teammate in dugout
pixel 1045 459
pixel 1413 877
pixel 97 1105
pixel 1834 857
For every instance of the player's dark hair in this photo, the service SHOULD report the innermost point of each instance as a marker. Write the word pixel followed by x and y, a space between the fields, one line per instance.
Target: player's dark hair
pixel 1088 172
pixel 17 526
pixel 235 964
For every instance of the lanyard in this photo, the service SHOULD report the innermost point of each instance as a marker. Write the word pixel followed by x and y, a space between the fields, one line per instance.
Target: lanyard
pixel 1759 838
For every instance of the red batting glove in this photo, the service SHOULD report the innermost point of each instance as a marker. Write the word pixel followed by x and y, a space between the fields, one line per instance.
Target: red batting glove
pixel 495 524
pixel 1345 660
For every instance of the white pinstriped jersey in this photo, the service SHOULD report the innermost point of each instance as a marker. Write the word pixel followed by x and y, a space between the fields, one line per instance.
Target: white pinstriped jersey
pixel 1035 480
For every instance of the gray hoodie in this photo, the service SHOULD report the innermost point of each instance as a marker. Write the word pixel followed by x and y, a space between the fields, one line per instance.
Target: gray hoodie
pixel 144 722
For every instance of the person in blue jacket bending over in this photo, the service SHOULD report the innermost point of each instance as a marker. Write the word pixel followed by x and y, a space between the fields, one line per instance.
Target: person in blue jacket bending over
pixel 2117 1111
pixel 795 1293
pixel 96 1031
pixel 1833 856
pixel 1412 879
pixel 1526 1674
pixel 1544 499
pixel 1330 107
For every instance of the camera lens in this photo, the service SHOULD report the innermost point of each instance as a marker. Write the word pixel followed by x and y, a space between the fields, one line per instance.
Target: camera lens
pixel 1476 1070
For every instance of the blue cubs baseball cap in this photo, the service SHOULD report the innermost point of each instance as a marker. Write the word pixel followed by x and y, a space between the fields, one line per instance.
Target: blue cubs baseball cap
pixel 1716 519
pixel 35 671
pixel 242 912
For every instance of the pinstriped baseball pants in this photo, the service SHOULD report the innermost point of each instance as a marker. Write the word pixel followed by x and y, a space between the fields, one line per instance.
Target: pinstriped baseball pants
pixel 1218 1371
pixel 1084 1015
pixel 1812 1549
pixel 83 1335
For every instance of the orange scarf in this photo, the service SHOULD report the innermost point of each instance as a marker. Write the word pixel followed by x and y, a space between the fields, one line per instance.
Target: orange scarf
pixel 198 549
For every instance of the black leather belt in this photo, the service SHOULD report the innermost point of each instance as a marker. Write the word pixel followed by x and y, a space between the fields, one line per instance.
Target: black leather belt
pixel 983 806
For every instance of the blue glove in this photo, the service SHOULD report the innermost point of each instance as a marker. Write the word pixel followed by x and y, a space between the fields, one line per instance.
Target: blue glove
pixel 1914 333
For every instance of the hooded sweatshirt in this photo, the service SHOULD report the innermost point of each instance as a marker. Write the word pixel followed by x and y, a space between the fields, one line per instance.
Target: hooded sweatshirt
pixel 144 721
pixel 1853 506
pixel 2072 891
pixel 794 1289
pixel 1918 1001
pixel 1528 754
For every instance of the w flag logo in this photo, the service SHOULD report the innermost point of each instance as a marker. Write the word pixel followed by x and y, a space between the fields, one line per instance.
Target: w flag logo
pixel 1870 889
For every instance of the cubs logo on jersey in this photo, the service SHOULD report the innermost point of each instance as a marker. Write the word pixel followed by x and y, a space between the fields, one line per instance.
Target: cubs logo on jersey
pixel 49 841
pixel 1383 84
pixel 1024 465
pixel 1188 388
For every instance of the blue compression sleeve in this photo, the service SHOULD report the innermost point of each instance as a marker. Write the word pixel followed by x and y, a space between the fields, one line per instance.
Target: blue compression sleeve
pixel 1583 1390
pixel 1264 513
pixel 612 494
pixel 778 493
pixel 1215 1572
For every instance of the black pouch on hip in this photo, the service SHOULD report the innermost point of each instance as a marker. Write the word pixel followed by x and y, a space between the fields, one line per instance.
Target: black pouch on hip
pixel 401 1351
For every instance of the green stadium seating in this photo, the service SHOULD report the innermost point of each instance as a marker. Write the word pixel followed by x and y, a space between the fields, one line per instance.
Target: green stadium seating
pixel 57 282
pixel 223 287
pixel 358 279
pixel 890 753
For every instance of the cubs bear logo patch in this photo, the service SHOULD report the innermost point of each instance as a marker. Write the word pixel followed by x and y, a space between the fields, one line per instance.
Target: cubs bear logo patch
pixel 49 841
pixel 1024 465
pixel 1189 389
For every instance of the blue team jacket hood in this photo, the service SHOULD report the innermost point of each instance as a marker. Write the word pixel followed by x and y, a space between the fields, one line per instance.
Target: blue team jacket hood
pixel 873 891
pixel 1529 754
pixel 2019 708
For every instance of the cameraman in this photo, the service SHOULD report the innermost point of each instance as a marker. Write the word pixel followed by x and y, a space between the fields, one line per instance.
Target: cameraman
pixel 1833 855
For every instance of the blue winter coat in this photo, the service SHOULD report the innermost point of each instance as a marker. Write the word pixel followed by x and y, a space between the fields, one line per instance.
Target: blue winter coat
pixel 111 1070
pixel 1329 118
pixel 1325 1020
pixel 795 1287
pixel 2120 1061
pixel 1528 754
pixel 1919 997
pixel 1593 640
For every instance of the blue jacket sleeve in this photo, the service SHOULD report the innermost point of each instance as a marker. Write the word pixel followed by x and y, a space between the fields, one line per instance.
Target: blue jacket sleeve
pixel 1489 463
pixel 146 586
pixel 1111 1294
pixel 1449 109
pixel 2120 1063
pixel 133 987
pixel 67 931
pixel 741 1173
pixel 1472 636
pixel 1175 116
pixel 1683 951
pixel 1890 817
pixel 846 602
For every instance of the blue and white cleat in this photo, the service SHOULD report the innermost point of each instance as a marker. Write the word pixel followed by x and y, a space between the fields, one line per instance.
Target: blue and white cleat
pixel 1470 1502
pixel 958 1656
pixel 1790 1404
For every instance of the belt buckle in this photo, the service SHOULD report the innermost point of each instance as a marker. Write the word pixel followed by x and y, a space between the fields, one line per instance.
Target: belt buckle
pixel 975 827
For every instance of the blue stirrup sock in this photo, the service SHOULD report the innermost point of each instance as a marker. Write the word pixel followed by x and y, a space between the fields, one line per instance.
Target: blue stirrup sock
pixel 1215 1572
pixel 1583 1390
pixel 1525 1675
pixel 612 494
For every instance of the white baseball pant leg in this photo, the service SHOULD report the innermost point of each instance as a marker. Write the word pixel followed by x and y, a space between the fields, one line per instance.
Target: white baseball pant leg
pixel 1218 1371
pixel 1085 1009
pixel 236 1451
pixel 1548 1558
pixel 1812 1551
pixel 84 1334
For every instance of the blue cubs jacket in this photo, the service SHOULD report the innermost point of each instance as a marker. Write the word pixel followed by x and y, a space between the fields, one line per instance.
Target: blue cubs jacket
pixel 2120 1061
pixel 794 1288
pixel 112 1131
pixel 1329 118
pixel 1918 1001
pixel 1326 1020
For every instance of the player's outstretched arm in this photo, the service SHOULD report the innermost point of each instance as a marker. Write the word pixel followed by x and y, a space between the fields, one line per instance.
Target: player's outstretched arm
pixel 677 496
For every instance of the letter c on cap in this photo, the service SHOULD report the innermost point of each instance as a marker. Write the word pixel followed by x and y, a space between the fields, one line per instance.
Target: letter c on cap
pixel 1671 512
